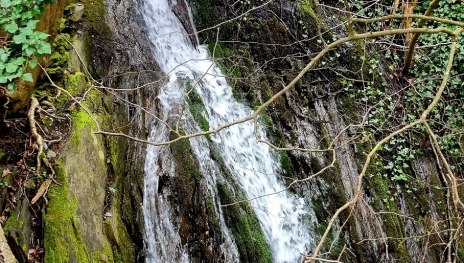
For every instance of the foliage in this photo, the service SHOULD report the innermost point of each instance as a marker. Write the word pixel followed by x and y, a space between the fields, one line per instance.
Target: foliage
pixel 448 116
pixel 390 107
pixel 21 42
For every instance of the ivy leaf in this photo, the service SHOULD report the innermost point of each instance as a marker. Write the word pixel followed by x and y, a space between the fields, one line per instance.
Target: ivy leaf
pixel 26 31
pixel 3 80
pixel 40 35
pixel 18 61
pixel 33 63
pixel 44 48
pixel 29 51
pixel 5 3
pixel 4 54
pixel 18 39
pixel 32 24
pixel 11 86
pixel 11 67
pixel 27 77
pixel 11 28
pixel 28 15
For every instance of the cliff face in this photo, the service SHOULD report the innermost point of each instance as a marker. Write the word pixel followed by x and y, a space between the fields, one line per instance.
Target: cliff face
pixel 92 211
pixel 260 52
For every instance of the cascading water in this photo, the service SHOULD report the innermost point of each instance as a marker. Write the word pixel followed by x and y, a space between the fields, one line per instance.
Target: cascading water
pixel 284 218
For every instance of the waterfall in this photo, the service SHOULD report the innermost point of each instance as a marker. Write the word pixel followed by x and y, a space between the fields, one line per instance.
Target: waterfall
pixel 284 217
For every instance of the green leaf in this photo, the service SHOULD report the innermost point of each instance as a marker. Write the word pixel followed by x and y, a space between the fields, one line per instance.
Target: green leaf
pixel 5 3
pixel 11 28
pixel 44 48
pixel 18 39
pixel 11 87
pixel 33 63
pixel 11 67
pixel 4 54
pixel 26 31
pixel 29 51
pixel 27 77
pixel 40 35
pixel 3 80
pixel 18 61
pixel 32 24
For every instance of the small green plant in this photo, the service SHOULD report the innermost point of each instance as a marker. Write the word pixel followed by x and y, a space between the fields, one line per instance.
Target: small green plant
pixel 390 107
pixel 23 42
pixel 401 156
pixel 112 189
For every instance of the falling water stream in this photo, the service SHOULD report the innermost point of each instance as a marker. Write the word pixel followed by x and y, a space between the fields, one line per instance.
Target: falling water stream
pixel 284 217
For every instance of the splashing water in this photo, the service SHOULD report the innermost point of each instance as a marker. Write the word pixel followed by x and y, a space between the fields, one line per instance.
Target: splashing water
pixel 285 219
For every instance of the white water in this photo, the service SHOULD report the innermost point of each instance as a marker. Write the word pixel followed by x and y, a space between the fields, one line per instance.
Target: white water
pixel 284 218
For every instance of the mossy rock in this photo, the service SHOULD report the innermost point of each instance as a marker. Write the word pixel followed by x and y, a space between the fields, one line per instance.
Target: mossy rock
pixel 242 221
pixel 197 109
pixel 62 238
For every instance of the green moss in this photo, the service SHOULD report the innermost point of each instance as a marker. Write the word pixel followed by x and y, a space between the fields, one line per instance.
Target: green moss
pixel 213 219
pixel 58 60
pixel 114 151
pixel 114 228
pixel 240 218
pixel 198 110
pixel 63 241
pixel 242 221
pixel 307 7
pixel 47 121
pixel 219 50
pixel 123 249
pixel 62 24
pixel 311 18
pixel 285 164
pixel 104 254
pixel 75 83
pixel 95 12
pixel 80 120
pixel 384 201
pixel 186 163
pixel 203 14
pixel 13 223
pixel 14 228
pixel 349 108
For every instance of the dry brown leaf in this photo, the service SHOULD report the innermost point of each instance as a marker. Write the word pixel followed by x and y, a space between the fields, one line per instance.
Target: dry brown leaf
pixel 42 190
pixel 6 172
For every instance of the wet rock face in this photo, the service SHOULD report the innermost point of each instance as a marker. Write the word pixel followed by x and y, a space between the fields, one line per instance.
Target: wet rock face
pixel 199 225
pixel 310 116
pixel 121 48
pixel 182 11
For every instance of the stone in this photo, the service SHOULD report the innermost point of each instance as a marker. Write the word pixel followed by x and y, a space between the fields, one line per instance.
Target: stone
pixel 51 154
pixel 78 12
pixel 5 252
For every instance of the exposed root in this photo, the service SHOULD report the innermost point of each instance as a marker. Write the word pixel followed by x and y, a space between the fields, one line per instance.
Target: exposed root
pixel 38 144
pixel 48 104
pixel 58 94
